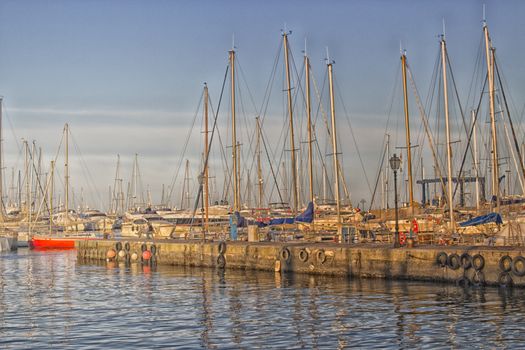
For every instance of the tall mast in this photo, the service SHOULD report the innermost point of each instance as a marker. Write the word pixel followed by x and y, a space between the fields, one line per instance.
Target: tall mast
pixel 447 126
pixel 334 149
pixel 135 178
pixel 476 164
pixel 19 190
pixel 259 168
pixel 12 188
pixel 239 174
pixel 494 140
pixel 309 124
pixel 66 172
pixel 249 189
pixel 51 190
pixel 290 113
pixel 31 199
pixel 115 186
pixel 206 186
pixel 387 170
pixel 38 174
pixel 236 192
pixel 407 129
pixel 26 161
pixel 185 186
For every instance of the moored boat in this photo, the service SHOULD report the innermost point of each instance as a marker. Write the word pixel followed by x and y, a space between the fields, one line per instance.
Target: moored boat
pixel 57 242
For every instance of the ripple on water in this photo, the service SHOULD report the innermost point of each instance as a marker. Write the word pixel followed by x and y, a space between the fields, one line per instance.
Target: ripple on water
pixel 49 300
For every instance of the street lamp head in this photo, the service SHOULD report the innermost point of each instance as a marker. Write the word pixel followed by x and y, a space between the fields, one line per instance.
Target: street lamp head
pixel 395 162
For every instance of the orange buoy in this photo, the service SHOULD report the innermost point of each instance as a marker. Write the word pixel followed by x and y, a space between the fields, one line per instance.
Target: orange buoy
pixel 111 253
pixel 146 255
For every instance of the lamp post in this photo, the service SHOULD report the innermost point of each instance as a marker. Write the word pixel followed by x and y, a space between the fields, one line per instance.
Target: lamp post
pixel 395 163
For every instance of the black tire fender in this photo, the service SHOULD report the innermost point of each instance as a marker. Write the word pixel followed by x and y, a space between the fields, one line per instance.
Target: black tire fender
pixel 442 259
pixel 144 247
pixel 303 255
pixel 118 246
pixel 478 262
pixel 222 247
pixel 284 254
pixel 453 261
pixel 320 256
pixel 466 261
pixel 153 249
pixel 518 266
pixel 221 261
pixel 127 246
pixel 505 263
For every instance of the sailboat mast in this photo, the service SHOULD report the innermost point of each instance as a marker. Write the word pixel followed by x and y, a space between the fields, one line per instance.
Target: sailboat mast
pixel 259 168
pixel 334 149
pixel 236 194
pixel 115 187
pixel 66 170
pixel 51 190
pixel 447 127
pixel 387 172
pixel 476 164
pixel 32 152
pixel 26 166
pixel 290 113
pixel 19 189
pixel 206 185
pixel 407 130
pixel 185 186
pixel 135 178
pixel 494 140
pixel 309 124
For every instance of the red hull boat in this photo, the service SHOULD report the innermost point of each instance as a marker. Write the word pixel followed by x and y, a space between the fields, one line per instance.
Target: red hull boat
pixel 44 242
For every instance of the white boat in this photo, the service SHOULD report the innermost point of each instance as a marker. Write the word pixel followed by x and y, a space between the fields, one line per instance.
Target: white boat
pixel 97 221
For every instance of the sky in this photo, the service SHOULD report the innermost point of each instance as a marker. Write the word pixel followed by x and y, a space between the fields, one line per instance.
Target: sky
pixel 128 75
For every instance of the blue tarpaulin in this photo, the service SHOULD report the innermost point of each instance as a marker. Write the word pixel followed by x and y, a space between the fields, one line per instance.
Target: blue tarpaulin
pixel 306 216
pixel 483 219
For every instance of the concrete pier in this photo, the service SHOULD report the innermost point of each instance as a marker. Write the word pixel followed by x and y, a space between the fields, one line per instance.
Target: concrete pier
pixel 463 265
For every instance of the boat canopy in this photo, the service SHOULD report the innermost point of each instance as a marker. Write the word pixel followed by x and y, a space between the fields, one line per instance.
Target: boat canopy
pixel 483 219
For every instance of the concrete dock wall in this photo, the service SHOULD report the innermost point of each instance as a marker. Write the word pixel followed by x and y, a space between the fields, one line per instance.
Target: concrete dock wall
pixel 427 263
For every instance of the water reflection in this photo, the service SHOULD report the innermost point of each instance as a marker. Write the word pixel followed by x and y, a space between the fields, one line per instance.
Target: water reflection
pixel 49 300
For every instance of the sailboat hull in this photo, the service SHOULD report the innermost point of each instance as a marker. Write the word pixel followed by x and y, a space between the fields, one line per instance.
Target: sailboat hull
pixel 43 242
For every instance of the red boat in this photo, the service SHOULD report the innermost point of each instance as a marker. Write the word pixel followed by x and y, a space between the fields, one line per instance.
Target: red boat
pixel 47 242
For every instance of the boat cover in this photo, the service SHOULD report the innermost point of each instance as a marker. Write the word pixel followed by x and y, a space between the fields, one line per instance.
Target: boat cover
pixel 483 219
pixel 306 216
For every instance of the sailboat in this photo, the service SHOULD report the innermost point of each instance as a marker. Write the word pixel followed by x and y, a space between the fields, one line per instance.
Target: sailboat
pixel 70 225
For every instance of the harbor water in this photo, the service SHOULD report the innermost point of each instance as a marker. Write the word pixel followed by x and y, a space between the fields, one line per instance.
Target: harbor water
pixel 48 299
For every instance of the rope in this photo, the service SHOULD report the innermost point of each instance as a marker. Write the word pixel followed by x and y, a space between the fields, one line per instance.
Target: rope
pixel 181 159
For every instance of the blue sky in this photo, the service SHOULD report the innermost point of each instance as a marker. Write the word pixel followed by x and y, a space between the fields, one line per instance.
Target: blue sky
pixel 127 75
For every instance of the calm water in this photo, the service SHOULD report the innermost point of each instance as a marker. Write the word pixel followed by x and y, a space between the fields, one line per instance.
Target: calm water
pixel 48 300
